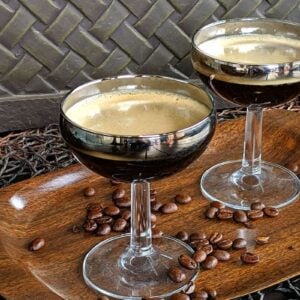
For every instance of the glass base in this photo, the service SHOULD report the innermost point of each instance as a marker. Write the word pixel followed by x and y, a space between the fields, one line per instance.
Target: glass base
pixel 102 269
pixel 275 186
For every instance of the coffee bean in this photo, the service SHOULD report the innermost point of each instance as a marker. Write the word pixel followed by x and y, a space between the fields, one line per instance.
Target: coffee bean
pixel 199 256
pixel 95 213
pixel 294 166
pixel 255 214
pixel 155 206
pixel 118 193
pixel 153 218
pixel 183 198
pixel 239 243
pixel 250 258
pixel 199 295
pixel 197 244
pixel 104 220
pixel 176 274
pixel 182 235
pixel 169 208
pixel 271 211
pixel 257 205
pixel 262 240
pixel 187 262
pixel 208 249
pixel 190 288
pixel 119 225
pixel 102 298
pixel 103 229
pixel 179 296
pixel 36 244
pixel 126 214
pixel 240 216
pixel 209 263
pixel 215 237
pixel 217 204
pixel 197 236
pixel 221 255
pixel 156 233
pixel 212 293
pixel 89 192
pixel 224 214
pixel 76 229
pixel 211 212
pixel 224 244
pixel 111 210
pixel 93 205
pixel 123 202
pixel 90 225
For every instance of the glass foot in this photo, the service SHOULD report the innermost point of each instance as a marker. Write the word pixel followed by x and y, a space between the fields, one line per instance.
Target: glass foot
pixel 275 186
pixel 103 270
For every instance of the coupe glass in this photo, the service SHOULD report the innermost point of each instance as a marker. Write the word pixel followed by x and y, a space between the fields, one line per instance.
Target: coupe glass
pixel 253 63
pixel 132 266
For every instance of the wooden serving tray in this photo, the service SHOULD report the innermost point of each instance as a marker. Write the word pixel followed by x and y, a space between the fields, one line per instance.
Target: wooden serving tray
pixel 49 205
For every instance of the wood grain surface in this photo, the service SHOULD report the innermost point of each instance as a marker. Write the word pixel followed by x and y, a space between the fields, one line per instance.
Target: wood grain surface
pixel 49 205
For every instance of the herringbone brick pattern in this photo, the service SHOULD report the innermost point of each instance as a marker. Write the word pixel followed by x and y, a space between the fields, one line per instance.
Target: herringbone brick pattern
pixel 52 45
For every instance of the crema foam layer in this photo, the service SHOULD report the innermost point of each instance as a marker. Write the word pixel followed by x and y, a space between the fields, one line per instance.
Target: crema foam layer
pixel 138 112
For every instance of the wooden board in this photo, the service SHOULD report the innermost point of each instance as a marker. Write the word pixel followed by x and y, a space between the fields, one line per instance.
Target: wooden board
pixel 49 205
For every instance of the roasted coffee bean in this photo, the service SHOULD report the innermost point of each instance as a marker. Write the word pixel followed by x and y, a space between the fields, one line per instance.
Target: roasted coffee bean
pixel 119 225
pixel 187 262
pixel 179 296
pixel 209 263
pixel 153 218
pixel 197 236
pixel 104 220
pixel 95 213
pixel 118 193
pixel 123 202
pixel 221 255
pixel 262 240
pixel 217 204
pixel 197 244
pixel 156 205
pixel 271 211
pixel 208 249
pixel 176 274
pixel 169 208
pixel 255 214
pixel 294 166
pixel 183 198
pixel 76 229
pixel 240 216
pixel 199 295
pixel 90 225
pixel 224 244
pixel 224 214
pixel 199 256
pixel 190 288
pixel 211 212
pixel 257 205
pixel 249 225
pixel 93 205
pixel 115 181
pixel 111 210
pixel 103 229
pixel 239 243
pixel 156 233
pixel 215 237
pixel 182 235
pixel 89 192
pixel 212 293
pixel 102 298
pixel 36 244
pixel 126 214
pixel 250 258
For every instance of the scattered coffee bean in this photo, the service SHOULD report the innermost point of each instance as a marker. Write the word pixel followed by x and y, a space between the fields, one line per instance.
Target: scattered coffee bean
pixel 199 295
pixel 36 244
pixel 103 229
pixel 199 256
pixel 240 216
pixel 221 255
pixel 182 235
pixel 209 263
pixel 169 208
pixel 262 240
pixel 255 214
pixel 119 225
pixel 239 243
pixel 208 249
pixel 156 205
pixel 257 205
pixel 224 214
pixel 197 244
pixel 90 225
pixel 212 293
pixel 197 236
pixel 294 166
pixel 76 229
pixel 249 225
pixel 215 237
pixel 111 210
pixel 183 198
pixel 123 202
pixel 126 214
pixel 271 211
pixel 156 233
pixel 217 204
pixel 95 213
pixel 224 244
pixel 187 262
pixel 176 274
pixel 211 212
pixel 179 296
pixel 190 288
pixel 250 258
pixel 104 220
pixel 118 193
pixel 89 192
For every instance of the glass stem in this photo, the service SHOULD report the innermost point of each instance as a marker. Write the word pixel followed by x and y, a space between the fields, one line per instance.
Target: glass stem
pixel 141 236
pixel 251 163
